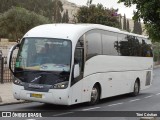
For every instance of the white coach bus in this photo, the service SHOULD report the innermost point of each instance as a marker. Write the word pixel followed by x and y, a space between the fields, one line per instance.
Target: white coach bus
pixel 67 64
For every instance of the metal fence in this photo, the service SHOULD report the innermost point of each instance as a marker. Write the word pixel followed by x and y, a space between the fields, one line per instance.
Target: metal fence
pixel 1 67
pixel 5 73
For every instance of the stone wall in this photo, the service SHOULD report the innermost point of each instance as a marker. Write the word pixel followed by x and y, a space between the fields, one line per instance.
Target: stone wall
pixel 5 45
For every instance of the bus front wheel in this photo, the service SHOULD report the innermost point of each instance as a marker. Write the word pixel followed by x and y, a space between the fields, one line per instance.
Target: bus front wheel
pixel 136 88
pixel 95 95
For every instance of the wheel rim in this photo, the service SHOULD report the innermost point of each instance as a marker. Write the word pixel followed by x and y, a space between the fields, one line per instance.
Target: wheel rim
pixel 94 95
pixel 136 88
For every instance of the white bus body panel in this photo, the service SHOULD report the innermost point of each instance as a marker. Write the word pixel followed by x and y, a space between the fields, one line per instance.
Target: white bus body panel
pixel 76 92
pixel 116 74
pixel 104 63
pixel 53 96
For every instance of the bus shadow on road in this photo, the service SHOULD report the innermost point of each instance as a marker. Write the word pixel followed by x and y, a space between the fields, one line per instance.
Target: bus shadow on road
pixel 58 108
pixel 122 97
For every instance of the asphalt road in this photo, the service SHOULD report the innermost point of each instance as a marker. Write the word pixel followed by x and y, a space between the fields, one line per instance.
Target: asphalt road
pixel 147 100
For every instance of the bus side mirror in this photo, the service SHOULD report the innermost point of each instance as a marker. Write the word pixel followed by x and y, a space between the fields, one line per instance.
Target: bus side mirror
pixel 76 70
pixel 9 57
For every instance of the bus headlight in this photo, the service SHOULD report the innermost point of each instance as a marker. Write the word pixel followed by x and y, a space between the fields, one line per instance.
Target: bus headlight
pixel 17 82
pixel 61 85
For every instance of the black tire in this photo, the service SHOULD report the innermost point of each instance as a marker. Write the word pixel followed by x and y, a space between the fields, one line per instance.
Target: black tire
pixel 95 95
pixel 136 88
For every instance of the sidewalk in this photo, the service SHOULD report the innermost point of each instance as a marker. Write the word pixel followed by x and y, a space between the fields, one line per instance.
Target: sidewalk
pixel 156 66
pixel 6 96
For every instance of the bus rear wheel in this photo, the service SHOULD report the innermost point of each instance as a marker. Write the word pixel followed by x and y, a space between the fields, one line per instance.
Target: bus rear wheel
pixel 136 88
pixel 95 95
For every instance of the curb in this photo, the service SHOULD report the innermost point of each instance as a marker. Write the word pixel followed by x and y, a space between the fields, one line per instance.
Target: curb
pixel 147 118
pixel 18 102
pixel 0 99
pixel 156 66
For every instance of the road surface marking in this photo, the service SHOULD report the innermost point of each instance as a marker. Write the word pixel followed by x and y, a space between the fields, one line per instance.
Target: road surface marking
pixel 30 119
pixel 63 114
pixel 134 100
pixel 148 96
pixel 158 94
pixel 115 104
pixel 90 108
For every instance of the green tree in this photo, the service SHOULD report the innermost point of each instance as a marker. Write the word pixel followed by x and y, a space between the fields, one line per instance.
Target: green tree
pixel 140 28
pixel 124 22
pixel 128 26
pixel 65 18
pixel 97 14
pixel 17 21
pixel 58 9
pixel 137 27
pixel 89 2
pixel 149 11
pixel 120 21
pixel 156 52
pixel 46 8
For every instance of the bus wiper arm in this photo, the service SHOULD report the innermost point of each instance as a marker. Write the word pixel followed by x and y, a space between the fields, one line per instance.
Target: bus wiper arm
pixel 37 78
pixel 45 73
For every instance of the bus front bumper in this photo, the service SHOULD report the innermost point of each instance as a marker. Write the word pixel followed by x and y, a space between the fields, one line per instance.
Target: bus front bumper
pixel 54 96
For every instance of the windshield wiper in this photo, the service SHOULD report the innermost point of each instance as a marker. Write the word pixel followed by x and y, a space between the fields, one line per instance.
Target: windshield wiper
pixel 64 72
pixel 61 74
pixel 45 73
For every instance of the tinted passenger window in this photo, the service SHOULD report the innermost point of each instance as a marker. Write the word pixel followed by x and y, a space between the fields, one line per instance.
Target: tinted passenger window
pixel 79 53
pixel 122 45
pixel 128 45
pixel 108 41
pixel 93 43
pixel 146 50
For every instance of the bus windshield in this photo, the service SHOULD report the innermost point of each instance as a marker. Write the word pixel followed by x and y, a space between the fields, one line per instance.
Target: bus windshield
pixel 43 55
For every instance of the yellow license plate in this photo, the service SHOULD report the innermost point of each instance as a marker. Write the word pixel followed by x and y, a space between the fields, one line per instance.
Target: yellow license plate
pixel 36 95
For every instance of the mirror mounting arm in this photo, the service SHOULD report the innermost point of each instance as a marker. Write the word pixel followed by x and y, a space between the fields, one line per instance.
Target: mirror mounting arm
pixel 9 57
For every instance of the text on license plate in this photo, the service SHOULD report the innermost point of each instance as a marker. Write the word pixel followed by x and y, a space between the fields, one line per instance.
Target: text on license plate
pixel 35 95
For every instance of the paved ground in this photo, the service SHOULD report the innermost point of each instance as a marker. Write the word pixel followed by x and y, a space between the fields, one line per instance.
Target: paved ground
pixel 6 96
pixel 147 102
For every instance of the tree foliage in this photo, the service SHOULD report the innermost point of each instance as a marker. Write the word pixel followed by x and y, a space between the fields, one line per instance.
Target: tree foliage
pixel 17 21
pixel 127 28
pixel 38 6
pixel 156 51
pixel 124 23
pixel 97 14
pixel 137 28
pixel 47 8
pixel 65 18
pixel 120 21
pixel 149 11
pixel 58 9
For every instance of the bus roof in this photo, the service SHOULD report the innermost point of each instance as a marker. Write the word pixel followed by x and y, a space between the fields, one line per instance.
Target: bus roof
pixel 69 31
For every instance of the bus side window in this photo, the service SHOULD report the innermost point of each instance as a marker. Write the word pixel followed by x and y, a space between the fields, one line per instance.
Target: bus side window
pixel 93 43
pixel 109 42
pixel 78 59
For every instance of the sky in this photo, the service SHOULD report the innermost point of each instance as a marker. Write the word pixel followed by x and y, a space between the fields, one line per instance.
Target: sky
pixel 109 4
